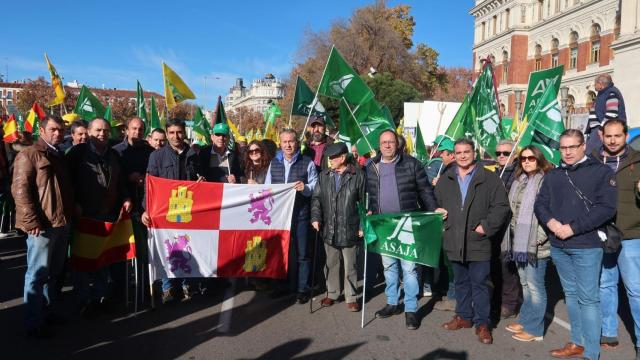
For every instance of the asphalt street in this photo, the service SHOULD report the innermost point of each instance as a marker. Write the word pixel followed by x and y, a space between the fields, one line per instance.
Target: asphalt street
pixel 238 323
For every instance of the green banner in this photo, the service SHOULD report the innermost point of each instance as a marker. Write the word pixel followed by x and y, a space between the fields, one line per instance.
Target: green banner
pixel 412 236
pixel 538 82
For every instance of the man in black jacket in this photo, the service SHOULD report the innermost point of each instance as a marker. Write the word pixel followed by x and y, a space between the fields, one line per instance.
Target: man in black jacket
pixel 575 201
pixel 477 209
pixel 334 208
pixel 397 182
pixel 217 162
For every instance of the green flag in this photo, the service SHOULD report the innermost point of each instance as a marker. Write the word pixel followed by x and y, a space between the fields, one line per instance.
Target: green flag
pixel 506 124
pixel 155 118
pixel 461 126
pixel 538 82
pixel 340 80
pixel 485 112
pixel 201 128
pixel 349 131
pixel 270 115
pixel 221 115
pixel 545 126
pixel 302 100
pixel 421 149
pixel 387 114
pixel 141 110
pixel 411 236
pixel 88 107
pixel 113 124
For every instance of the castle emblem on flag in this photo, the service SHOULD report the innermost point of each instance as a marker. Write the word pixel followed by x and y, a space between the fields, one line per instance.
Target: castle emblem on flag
pixel 255 258
pixel 179 253
pixel 180 204
pixel 258 206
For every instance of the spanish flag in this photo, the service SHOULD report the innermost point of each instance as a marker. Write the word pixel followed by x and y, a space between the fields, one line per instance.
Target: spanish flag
pixel 175 90
pixel 56 83
pixel 10 129
pixel 97 244
pixel 36 111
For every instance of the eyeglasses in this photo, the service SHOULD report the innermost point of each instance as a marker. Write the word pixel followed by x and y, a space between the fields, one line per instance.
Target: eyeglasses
pixel 254 151
pixel 503 153
pixel 528 158
pixel 570 147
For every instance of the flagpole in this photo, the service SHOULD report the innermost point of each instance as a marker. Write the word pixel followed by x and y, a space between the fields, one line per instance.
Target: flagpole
pixel 364 278
pixel 515 147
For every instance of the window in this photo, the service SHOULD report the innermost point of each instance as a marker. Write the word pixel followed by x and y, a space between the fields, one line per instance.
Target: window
pixel 554 52
pixel 505 67
pixel 595 44
pixel 484 30
pixel 495 24
pixel 523 14
pixel 507 15
pixel 573 50
pixel 538 57
pixel 540 8
pixel 557 6
pixel 9 94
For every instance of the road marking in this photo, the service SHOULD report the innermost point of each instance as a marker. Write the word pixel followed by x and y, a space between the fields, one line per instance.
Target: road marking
pixel 224 324
pixel 558 321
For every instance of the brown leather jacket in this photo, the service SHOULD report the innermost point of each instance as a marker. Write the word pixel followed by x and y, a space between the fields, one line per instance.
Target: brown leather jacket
pixel 41 188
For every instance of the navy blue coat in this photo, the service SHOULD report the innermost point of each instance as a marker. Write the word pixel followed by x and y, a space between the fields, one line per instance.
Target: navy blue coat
pixel 558 200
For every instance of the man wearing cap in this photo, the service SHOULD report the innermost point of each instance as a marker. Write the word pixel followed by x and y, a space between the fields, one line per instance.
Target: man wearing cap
pixel 318 142
pixel 334 210
pixel 217 162
pixel 443 157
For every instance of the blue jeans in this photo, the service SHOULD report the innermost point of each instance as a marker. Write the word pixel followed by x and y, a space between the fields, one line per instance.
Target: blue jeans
pixel 409 280
pixel 46 254
pixel 473 300
pixel 298 250
pixel 629 263
pixel 534 296
pixel 579 272
pixel 609 295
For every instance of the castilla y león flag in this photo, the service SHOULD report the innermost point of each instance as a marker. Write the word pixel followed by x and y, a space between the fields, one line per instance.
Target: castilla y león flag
pixel 201 229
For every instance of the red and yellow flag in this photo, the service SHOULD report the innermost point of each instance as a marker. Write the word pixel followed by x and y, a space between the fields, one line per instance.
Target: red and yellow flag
pixel 56 83
pixel 10 129
pixel 34 114
pixel 97 243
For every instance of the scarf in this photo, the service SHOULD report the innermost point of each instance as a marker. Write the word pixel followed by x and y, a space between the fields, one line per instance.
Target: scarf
pixel 526 227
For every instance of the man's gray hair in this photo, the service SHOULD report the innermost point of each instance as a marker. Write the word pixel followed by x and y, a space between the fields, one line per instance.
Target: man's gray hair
pixel 506 142
pixel 95 120
pixel 603 79
pixel 289 131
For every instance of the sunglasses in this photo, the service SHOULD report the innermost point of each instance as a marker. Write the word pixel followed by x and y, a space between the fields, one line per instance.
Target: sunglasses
pixel 221 135
pixel 528 158
pixel 503 153
pixel 255 151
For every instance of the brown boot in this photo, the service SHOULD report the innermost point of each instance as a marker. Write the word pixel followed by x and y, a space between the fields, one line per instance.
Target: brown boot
pixel 457 323
pixel 570 350
pixel 484 335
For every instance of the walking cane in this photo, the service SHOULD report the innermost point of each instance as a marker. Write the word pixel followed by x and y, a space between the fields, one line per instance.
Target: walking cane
pixel 313 270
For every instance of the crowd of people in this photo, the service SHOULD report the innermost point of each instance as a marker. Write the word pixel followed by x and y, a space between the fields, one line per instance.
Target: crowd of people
pixel 504 224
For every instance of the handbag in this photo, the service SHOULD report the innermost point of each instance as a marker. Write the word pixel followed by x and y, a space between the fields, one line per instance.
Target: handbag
pixel 613 240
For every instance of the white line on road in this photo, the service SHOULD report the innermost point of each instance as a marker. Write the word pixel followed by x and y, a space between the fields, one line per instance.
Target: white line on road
pixel 224 324
pixel 558 321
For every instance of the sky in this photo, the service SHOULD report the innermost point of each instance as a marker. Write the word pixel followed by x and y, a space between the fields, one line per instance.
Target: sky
pixel 114 43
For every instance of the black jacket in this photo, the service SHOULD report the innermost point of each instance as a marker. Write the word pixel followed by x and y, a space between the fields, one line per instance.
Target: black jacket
pixel 558 200
pixel 134 159
pixel 414 189
pixel 165 163
pixel 337 212
pixel 217 174
pixel 486 204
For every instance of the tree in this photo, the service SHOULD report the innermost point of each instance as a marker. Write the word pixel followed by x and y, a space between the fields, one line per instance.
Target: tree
pixel 123 109
pixel 247 119
pixel 393 93
pixel 38 90
pixel 458 84
pixel 183 111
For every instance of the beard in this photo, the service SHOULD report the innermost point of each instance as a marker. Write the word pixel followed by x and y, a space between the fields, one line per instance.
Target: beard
pixel 317 137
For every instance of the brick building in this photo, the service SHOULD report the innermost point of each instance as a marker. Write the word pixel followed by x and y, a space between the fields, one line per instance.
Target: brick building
pixel 527 35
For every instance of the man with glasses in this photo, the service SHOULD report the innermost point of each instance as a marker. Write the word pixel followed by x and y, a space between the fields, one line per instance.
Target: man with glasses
pixel 575 202
pixel 217 162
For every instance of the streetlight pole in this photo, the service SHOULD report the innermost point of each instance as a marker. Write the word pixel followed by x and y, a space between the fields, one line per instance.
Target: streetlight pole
pixel 564 97
pixel 518 95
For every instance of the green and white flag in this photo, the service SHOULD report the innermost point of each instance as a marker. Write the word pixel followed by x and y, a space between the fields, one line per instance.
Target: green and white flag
pixel 340 80
pixel 154 122
pixel 421 149
pixel 303 99
pixel 485 112
pixel 201 128
pixel 545 126
pixel 461 126
pixel 141 110
pixel 113 123
pixel 538 83
pixel 88 107
pixel 412 236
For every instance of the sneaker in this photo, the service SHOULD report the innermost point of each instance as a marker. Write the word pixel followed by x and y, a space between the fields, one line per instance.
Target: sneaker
pixel 526 337
pixel 445 304
pixel 388 310
pixel 426 290
pixel 411 320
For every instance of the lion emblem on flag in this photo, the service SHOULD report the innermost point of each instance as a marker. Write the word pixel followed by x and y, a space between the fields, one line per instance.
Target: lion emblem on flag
pixel 179 253
pixel 261 204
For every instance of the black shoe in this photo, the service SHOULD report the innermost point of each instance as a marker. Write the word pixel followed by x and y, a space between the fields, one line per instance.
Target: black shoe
pixel 40 333
pixel 412 320
pixel 388 310
pixel 303 298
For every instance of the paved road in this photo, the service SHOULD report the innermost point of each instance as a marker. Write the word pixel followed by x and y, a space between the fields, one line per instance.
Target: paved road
pixel 236 323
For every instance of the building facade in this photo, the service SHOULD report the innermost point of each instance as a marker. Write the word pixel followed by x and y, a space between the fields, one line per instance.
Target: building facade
pixel 522 36
pixel 627 64
pixel 8 95
pixel 257 96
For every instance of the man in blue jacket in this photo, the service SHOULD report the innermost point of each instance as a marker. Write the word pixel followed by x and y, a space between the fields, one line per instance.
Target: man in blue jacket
pixel 575 201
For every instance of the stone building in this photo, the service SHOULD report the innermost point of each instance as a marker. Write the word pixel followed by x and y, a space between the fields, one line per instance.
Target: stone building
pixel 257 96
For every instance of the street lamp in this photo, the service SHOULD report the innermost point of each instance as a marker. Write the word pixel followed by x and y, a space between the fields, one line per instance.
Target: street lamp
pixel 564 97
